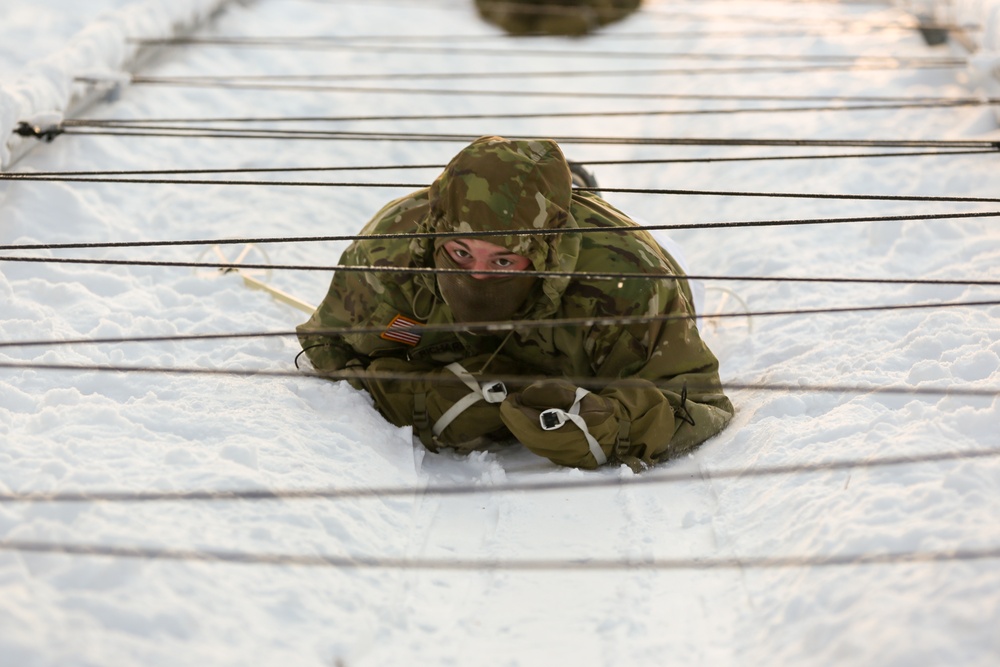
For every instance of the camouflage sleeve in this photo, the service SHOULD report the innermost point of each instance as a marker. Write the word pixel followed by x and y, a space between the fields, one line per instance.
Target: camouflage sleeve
pixel 364 299
pixel 358 300
pixel 668 388
pixel 340 308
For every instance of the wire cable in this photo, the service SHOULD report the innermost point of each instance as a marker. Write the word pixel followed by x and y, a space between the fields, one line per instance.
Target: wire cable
pixel 313 87
pixel 830 100
pixel 321 43
pixel 600 140
pixel 649 191
pixel 257 170
pixel 475 75
pixel 615 36
pixel 529 324
pixel 312 135
pixel 437 235
pixel 730 111
pixel 507 326
pixel 279 82
pixel 800 21
pixel 590 275
pixel 174 338
pixel 593 383
pixel 555 565
pixel 653 477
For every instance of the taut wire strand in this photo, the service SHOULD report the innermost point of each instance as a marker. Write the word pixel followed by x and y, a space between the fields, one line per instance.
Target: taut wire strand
pixel 581 381
pixel 653 477
pixel 554 565
pixel 436 235
pixel 580 140
pixel 515 324
pixel 254 170
pixel 319 43
pixel 362 184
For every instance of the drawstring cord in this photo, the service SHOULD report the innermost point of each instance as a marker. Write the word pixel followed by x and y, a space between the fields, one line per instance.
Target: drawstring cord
pixel 495 353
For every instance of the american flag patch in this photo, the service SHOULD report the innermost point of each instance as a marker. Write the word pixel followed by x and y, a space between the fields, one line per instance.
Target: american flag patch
pixel 403 330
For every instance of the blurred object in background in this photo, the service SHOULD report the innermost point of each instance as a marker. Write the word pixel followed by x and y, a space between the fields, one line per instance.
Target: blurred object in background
pixel 554 17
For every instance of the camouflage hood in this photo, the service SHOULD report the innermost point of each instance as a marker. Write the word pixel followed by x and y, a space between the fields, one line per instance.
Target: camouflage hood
pixel 554 17
pixel 496 184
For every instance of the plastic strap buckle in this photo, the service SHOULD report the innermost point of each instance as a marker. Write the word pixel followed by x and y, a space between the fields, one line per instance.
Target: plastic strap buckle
pixel 491 392
pixel 554 418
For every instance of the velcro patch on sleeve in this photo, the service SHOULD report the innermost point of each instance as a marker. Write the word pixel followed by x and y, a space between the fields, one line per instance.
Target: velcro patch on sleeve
pixel 403 330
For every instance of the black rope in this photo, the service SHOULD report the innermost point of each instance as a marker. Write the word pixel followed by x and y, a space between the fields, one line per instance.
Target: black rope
pixel 267 79
pixel 257 170
pixel 835 108
pixel 501 327
pixel 608 36
pixel 44 175
pixel 320 43
pixel 613 36
pixel 589 382
pixel 962 282
pixel 853 24
pixel 576 140
pixel 529 324
pixel 768 158
pixel 317 88
pixel 648 191
pixel 435 235
pixel 791 195
pixel 480 75
pixel 307 42
pixel 823 22
pixel 189 181
pixel 442 38
pixel 520 565
pixel 653 477
pixel 579 275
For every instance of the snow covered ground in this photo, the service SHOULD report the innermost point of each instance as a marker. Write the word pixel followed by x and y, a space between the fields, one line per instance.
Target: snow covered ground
pixel 35 32
pixel 702 562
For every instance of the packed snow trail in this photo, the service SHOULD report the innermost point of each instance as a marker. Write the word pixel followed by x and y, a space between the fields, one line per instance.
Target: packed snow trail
pixel 87 430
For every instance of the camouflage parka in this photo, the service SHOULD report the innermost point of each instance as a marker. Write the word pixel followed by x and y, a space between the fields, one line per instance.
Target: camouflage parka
pixel 662 381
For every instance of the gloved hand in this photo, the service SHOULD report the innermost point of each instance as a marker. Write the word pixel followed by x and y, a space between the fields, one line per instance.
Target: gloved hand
pixel 422 402
pixel 567 444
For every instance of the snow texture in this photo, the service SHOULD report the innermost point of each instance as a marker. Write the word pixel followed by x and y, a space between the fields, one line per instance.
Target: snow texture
pixel 80 430
pixel 983 17
pixel 48 86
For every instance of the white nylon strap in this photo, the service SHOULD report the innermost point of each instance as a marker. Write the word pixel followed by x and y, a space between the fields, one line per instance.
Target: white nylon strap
pixel 491 392
pixel 573 415
pixel 464 375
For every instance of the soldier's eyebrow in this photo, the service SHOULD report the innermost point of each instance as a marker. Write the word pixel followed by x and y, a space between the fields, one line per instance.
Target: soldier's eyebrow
pixel 499 252
pixel 505 253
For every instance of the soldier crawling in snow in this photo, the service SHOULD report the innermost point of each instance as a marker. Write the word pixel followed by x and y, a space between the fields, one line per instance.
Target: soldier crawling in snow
pixel 656 388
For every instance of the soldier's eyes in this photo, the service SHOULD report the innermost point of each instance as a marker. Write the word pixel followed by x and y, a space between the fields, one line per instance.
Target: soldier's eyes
pixel 504 262
pixel 458 253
